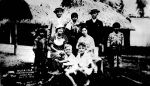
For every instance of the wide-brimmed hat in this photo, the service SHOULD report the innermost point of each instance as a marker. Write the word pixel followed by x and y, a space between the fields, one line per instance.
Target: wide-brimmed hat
pixel 94 11
pixel 59 9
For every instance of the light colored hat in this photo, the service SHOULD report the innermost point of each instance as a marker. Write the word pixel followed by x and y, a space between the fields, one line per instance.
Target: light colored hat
pixel 60 26
pixel 68 46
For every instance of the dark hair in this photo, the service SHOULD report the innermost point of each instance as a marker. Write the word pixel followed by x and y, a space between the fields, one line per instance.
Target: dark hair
pixel 41 31
pixel 116 25
pixel 83 25
pixel 74 15
pixel 82 44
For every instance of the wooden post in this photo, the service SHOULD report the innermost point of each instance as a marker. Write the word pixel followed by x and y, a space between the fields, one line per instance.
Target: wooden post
pixel 10 37
pixel 15 41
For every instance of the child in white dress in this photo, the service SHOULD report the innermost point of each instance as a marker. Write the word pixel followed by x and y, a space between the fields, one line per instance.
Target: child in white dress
pixel 85 61
pixel 69 63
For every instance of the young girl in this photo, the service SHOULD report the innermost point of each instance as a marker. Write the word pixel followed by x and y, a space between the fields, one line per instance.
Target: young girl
pixel 69 63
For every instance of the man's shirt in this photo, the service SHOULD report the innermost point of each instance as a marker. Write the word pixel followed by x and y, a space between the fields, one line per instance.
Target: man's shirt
pixel 115 39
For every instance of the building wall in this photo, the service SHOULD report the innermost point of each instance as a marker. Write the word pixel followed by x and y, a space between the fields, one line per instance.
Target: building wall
pixel 141 35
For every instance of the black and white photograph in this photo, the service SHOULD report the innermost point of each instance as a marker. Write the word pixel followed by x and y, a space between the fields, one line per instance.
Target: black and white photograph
pixel 74 42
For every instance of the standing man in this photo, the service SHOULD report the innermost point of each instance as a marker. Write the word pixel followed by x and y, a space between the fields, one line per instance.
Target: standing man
pixel 115 43
pixel 56 22
pixel 94 27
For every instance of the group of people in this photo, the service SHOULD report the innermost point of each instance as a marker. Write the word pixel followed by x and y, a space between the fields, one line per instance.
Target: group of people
pixel 73 46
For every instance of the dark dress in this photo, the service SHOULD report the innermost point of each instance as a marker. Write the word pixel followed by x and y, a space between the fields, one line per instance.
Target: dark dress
pixel 40 50
pixel 95 30
pixel 59 46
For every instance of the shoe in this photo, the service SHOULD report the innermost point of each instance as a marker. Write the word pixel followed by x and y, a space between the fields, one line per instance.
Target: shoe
pixel 87 83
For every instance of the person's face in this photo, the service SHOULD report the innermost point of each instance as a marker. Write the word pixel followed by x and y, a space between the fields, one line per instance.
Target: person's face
pixel 94 15
pixel 41 34
pixel 84 31
pixel 59 14
pixel 81 49
pixel 68 50
pixel 74 19
pixel 116 30
pixel 60 31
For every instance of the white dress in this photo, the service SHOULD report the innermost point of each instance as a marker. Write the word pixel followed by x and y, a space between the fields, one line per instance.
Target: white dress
pixel 85 63
pixel 71 63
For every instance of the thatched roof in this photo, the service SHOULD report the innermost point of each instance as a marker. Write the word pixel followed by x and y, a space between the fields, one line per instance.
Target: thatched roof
pixel 44 13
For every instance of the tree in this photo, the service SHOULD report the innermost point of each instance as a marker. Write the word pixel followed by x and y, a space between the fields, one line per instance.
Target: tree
pixel 141 4
pixel 117 4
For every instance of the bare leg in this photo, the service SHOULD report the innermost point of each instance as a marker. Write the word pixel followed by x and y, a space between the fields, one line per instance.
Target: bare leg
pixel 72 80
pixel 88 81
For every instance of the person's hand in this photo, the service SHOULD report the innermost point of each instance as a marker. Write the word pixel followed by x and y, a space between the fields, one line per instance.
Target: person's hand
pixel 34 49
pixel 102 47
pixel 48 48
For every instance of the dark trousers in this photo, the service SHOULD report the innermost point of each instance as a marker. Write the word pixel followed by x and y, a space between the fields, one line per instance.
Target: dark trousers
pixel 54 65
pixel 39 63
pixel 111 53
pixel 73 42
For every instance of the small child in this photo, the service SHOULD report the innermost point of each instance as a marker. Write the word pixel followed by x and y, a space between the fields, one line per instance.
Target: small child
pixel 115 43
pixel 85 61
pixel 69 63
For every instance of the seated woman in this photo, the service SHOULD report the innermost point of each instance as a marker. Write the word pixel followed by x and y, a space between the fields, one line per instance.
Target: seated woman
pixel 87 39
pixel 58 41
pixel 56 44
